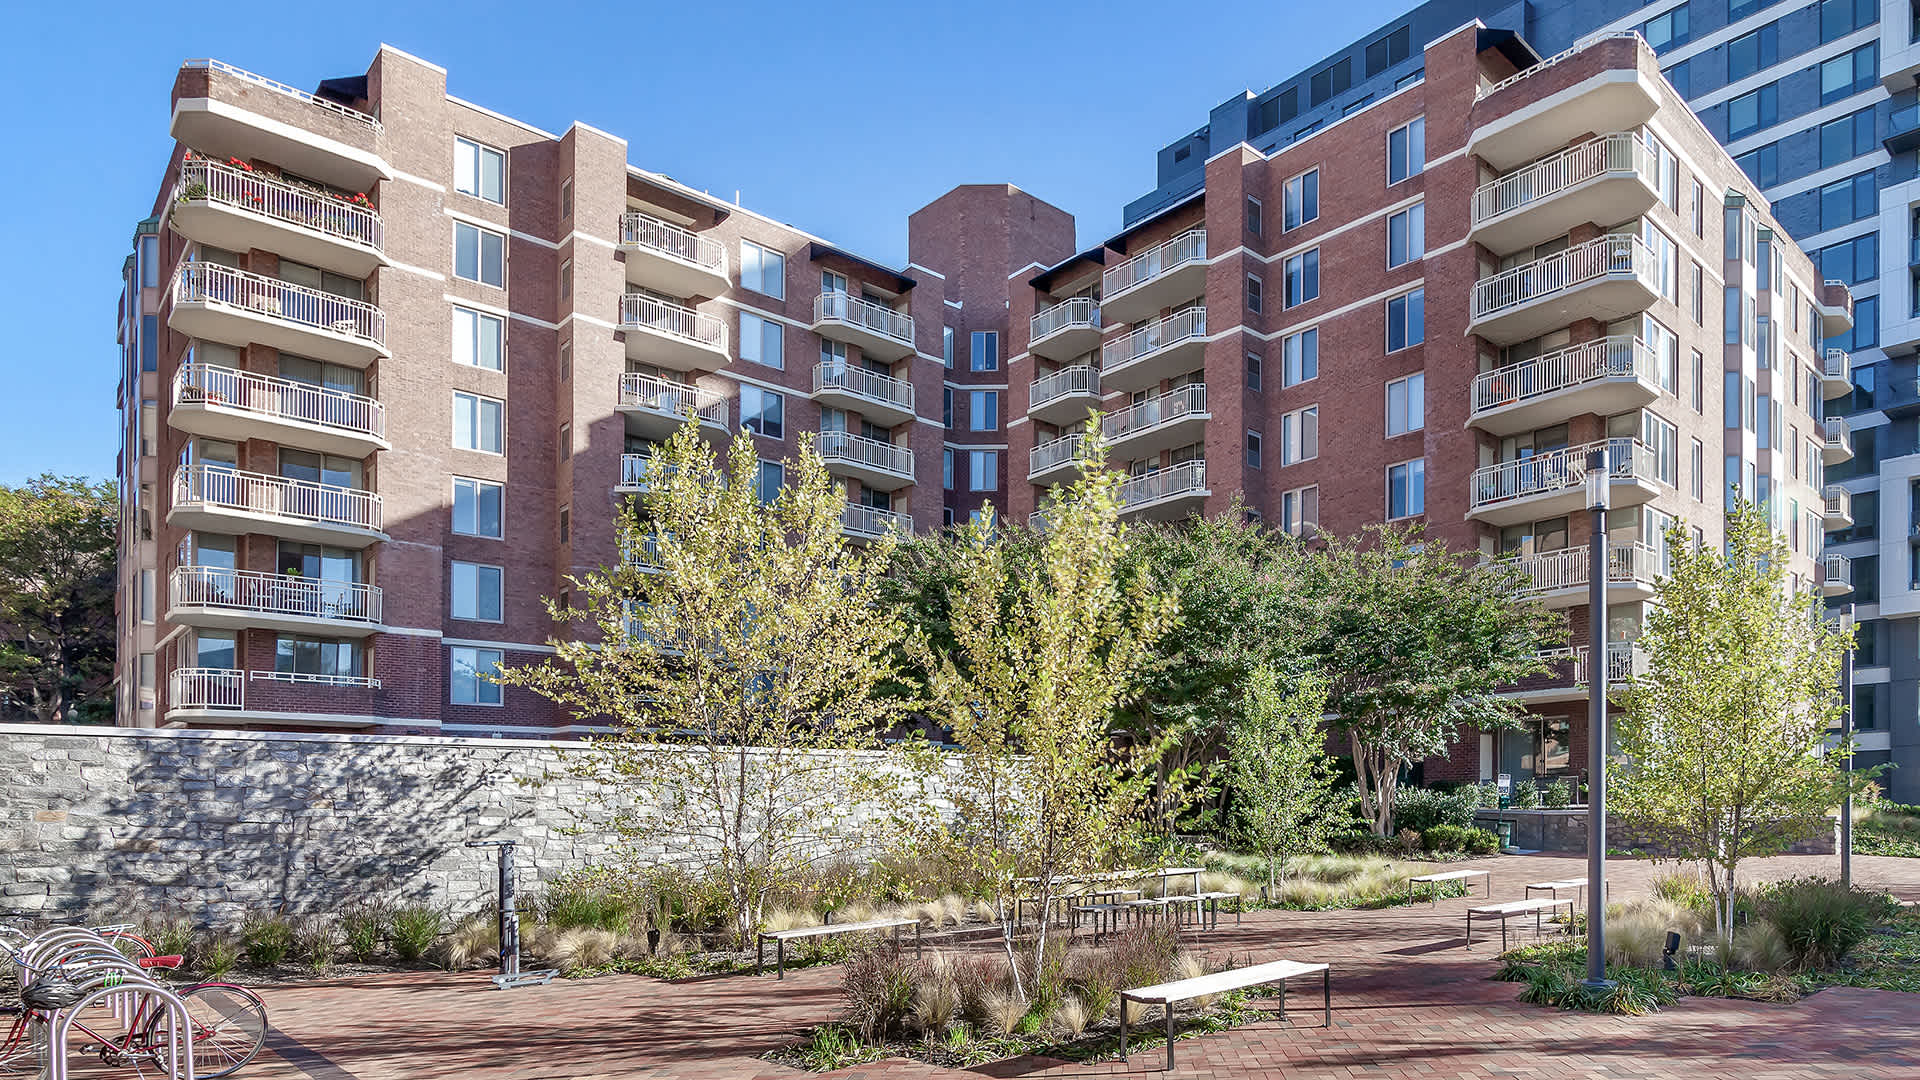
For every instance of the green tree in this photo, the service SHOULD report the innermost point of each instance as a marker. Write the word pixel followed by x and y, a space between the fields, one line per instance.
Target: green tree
pixel 1727 732
pixel 57 562
pixel 737 650
pixel 1279 779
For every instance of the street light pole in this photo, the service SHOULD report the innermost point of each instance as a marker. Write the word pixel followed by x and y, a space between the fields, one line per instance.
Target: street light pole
pixel 1598 494
pixel 1846 739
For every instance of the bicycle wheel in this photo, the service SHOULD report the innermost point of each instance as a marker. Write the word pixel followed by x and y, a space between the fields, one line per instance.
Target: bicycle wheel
pixel 21 1054
pixel 228 1027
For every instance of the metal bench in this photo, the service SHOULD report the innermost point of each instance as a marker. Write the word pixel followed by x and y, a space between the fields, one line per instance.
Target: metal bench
pixel 1553 888
pixel 1436 880
pixel 1279 971
pixel 781 937
pixel 1508 910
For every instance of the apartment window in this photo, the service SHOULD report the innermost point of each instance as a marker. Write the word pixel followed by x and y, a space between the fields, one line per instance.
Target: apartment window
pixel 1299 508
pixel 566 199
pixel 146 671
pixel 478 422
pixel 1697 466
pixel 1300 200
pixel 1854 261
pixel 946 469
pixel 1335 78
pixel 1761 164
pixel 985 352
pixel 1253 449
pixel 1850 73
pixel 833 282
pixel 763 270
pixel 566 525
pixel 1407 319
pixel 768 479
pixel 1699 383
pixel 476 591
pixel 1753 110
pixel 1406 404
pixel 1697 209
pixel 1697 294
pixel 1666 258
pixel 1752 51
pixel 946 345
pixel 946 407
pixel 1300 435
pixel 146 596
pixel 1407 235
pixel 566 441
pixel 1303 277
pixel 1254 291
pixel 566 360
pixel 1383 53
pixel 1666 30
pixel 1302 357
pixel 1847 138
pixel 479 171
pixel 479 339
pixel 476 507
pixel 479 255
pixel 566 278
pixel 1866 326
pixel 1847 201
pixel 1730 316
pixel 763 412
pixel 1253 215
pixel 1407 488
pixel 762 341
pixel 1681 76
pixel 1407 150
pixel 1254 365
pixel 983 470
pixel 468 687
pixel 1664 440
pixel 983 410
pixel 1838 18
pixel 314 656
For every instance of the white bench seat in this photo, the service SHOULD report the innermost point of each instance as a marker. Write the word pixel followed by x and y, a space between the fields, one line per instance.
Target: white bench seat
pixel 1220 982
pixel 1504 911
pixel 781 937
pixel 1444 876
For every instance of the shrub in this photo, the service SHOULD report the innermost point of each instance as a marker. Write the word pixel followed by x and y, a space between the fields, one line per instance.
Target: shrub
pixel 1559 794
pixel 1526 795
pixel 363 925
pixel 269 939
pixel 1682 888
pixel 1420 809
pixel 473 942
pixel 1361 842
pixel 582 948
pixel 936 1000
pixel 414 930
pixel 1070 1017
pixel 1489 795
pixel 1444 838
pixel 171 935
pixel 1760 946
pixel 218 956
pixel 879 985
pixel 1820 920
pixel 570 905
pixel 314 940
pixel 1483 842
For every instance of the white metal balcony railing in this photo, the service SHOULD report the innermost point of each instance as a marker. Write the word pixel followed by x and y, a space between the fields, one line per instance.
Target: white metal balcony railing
pixel 860 450
pixel 1839 436
pixel 867 384
pixel 1188 247
pixel 206 688
pixel 1151 338
pixel 1836 570
pixel 333 215
pixel 1163 484
pixel 1617 152
pixel 1544 65
pixel 1078 311
pixel 1839 364
pixel 1080 379
pixel 314 678
pixel 880 319
pixel 640 310
pixel 635 469
pixel 284 399
pixel 1624 661
pixel 1047 455
pixel 873 521
pixel 275 594
pixel 282 88
pixel 639 391
pixel 1569 568
pixel 1619 356
pixel 1557 470
pixel 1160 409
pixel 645 231
pixel 204 282
pixel 276 496
pixel 1839 502
pixel 1607 256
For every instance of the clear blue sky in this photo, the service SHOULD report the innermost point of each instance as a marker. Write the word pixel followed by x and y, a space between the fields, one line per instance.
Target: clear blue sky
pixel 841 119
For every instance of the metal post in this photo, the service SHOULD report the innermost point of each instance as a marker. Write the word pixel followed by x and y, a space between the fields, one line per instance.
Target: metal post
pixel 509 917
pixel 1598 493
pixel 1846 738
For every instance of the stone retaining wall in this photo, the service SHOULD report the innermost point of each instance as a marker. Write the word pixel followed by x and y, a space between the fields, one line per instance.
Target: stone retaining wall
pixel 1566 830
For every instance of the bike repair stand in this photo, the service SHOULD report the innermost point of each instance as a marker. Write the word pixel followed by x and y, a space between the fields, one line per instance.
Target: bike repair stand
pixel 510 975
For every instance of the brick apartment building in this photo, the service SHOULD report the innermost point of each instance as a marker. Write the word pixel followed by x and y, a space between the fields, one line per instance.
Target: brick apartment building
pixel 364 437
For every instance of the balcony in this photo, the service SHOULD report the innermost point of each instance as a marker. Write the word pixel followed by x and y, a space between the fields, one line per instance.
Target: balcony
pixel 1159 350
pixel 232 405
pixel 1565 679
pixel 1066 331
pixel 1836 376
pixel 1836 575
pixel 219 303
pixel 1836 308
pixel 870 522
pixel 1607 83
pixel 1054 461
pixel 1609 180
pixel 671 259
pixel 218 499
pixel 231 697
pixel 212 596
pixel 1605 279
pixel 226 206
pixel 1605 376
pixel 879 465
pixel 223 112
pixel 881 398
pixel 634 471
pixel 875 329
pixel 655 408
pixel 1838 511
pixel 1839 440
pixel 1168 494
pixel 1560 579
pixel 1553 483
pixel 670 336
pixel 1903 130
pixel 1065 396
pixel 1176 418
pixel 1156 279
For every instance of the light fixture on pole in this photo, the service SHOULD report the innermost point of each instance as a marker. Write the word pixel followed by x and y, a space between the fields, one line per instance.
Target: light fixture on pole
pixel 1846 740
pixel 1598 494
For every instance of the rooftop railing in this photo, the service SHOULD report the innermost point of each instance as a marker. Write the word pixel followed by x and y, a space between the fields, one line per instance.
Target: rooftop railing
pixel 282 88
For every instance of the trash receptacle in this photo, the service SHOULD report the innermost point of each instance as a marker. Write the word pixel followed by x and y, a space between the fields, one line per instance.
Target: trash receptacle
pixel 1505 831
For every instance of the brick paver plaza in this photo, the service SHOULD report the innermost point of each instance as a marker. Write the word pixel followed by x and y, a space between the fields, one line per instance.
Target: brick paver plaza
pixel 1410 1001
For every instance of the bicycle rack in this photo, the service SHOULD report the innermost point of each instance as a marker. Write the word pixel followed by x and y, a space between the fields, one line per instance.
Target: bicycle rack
pixel 111 982
pixel 511 977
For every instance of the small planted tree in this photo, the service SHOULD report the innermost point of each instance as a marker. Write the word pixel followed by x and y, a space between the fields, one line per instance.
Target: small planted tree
pixel 57 548
pixel 1280 781
pixel 1727 734
pixel 736 650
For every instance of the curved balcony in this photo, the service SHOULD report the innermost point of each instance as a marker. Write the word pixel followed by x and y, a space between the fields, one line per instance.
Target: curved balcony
pixel 1551 484
pixel 230 697
pixel 219 303
pixel 1176 418
pixel 1054 461
pixel 870 522
pixel 233 405
pixel 1560 579
pixel 670 336
pixel 1157 351
pixel 1167 494
pixel 1605 376
pixel 879 465
pixel 655 408
pixel 1605 83
pixel 1836 575
pixel 218 499
pixel 225 112
pixel 635 469
pixel 1605 279
pixel 1065 396
pixel 875 329
pixel 1566 676
pixel 1836 308
pixel 240 599
pixel 1837 509
pixel 880 398
pixel 235 208
pixel 1156 279
pixel 1609 179
pixel 1836 375
pixel 673 260
pixel 1838 445
pixel 1065 331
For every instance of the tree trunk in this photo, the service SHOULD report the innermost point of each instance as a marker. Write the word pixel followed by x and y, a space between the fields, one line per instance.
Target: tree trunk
pixel 1006 940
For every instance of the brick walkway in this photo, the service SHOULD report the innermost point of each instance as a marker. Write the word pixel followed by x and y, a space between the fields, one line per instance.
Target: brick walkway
pixel 1410 1001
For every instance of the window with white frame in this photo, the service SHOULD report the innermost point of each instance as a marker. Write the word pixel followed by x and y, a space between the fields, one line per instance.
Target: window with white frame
pixel 985 351
pixel 946 469
pixel 479 255
pixel 475 589
pixel 1254 369
pixel 983 470
pixel 768 480
pixel 1406 404
pixel 566 279
pixel 763 270
pixel 478 422
pixel 1300 435
pixel 1407 150
pixel 983 410
pixel 1303 277
pixel 1299 508
pixel 1407 489
pixel 763 412
pixel 762 341
pixel 1300 200
pixel 1407 235
pixel 479 339
pixel 1407 319
pixel 476 507
pixel 832 281
pixel 467 680
pixel 479 171
pixel 1302 356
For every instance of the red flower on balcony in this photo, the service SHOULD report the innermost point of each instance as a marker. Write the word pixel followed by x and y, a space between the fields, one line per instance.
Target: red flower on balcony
pixel 239 164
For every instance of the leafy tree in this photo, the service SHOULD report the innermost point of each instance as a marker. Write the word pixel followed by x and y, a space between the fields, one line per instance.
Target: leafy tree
pixel 737 651
pixel 57 558
pixel 1727 732
pixel 1279 778
pixel 1416 642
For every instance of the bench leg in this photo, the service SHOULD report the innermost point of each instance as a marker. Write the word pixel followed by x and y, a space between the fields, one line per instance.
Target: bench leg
pixel 780 956
pixel 759 953
pixel 917 953
pixel 1469 929
pixel 1123 1027
pixel 1503 935
pixel 1169 1036
pixel 1326 997
pixel 1283 999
